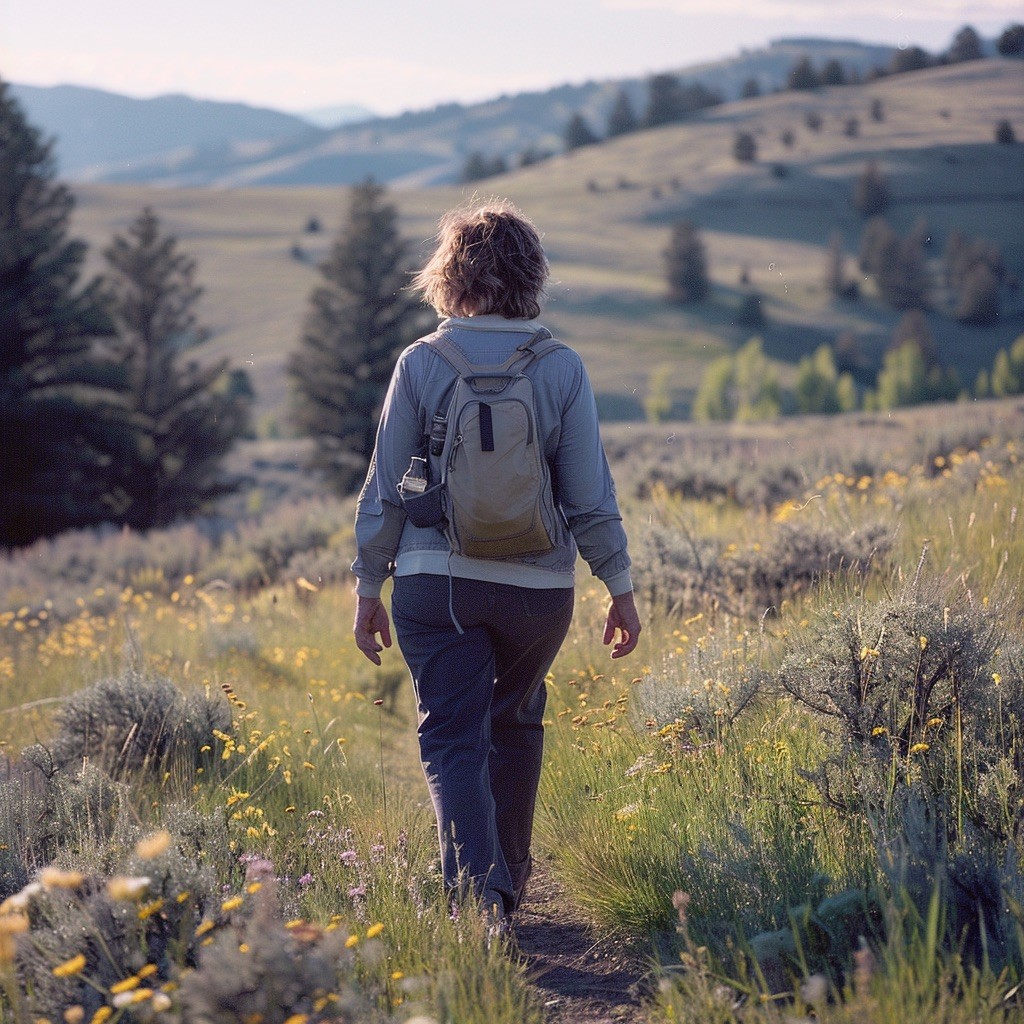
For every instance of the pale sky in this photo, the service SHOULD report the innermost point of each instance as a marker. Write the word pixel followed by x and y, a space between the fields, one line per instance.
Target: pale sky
pixel 395 55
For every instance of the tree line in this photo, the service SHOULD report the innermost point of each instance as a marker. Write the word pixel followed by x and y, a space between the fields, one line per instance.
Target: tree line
pixel 108 411
pixel 670 99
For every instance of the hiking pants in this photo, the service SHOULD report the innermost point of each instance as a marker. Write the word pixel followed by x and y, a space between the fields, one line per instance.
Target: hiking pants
pixel 481 696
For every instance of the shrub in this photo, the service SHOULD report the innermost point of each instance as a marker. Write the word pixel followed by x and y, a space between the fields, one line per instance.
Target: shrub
pixel 1004 133
pixel 135 722
pixel 744 147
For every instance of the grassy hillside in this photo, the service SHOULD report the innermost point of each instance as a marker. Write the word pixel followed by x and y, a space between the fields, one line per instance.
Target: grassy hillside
pixel 606 212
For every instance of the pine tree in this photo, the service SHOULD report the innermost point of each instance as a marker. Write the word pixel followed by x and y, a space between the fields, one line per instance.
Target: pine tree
pixel 359 319
pixel 871 191
pixel 578 133
pixel 833 73
pixel 61 416
pixel 686 264
pixel 802 75
pixel 966 46
pixel 188 414
pixel 744 147
pixel 622 118
pixel 1011 41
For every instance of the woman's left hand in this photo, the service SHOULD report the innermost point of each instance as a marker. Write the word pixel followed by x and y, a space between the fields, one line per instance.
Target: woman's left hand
pixel 371 619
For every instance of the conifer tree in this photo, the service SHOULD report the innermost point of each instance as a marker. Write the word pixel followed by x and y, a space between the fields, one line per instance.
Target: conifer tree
pixel 578 133
pixel 622 119
pixel 686 264
pixel 187 414
pixel 61 416
pixel 360 318
pixel 802 75
pixel 966 46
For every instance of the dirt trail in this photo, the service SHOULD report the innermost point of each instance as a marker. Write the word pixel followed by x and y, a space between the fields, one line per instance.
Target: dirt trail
pixel 581 977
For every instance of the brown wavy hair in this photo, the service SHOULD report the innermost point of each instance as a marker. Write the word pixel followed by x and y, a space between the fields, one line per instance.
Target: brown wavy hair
pixel 488 260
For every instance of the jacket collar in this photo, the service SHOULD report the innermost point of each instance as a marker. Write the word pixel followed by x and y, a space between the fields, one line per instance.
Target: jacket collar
pixel 489 322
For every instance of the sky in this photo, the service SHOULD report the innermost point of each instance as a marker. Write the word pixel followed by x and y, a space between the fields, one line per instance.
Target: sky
pixel 396 55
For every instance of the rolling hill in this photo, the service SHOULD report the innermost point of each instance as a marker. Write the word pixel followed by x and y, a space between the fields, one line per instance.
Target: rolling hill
pixel 176 141
pixel 606 210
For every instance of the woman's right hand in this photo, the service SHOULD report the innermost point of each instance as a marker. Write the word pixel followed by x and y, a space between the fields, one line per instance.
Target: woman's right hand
pixel 371 619
pixel 622 616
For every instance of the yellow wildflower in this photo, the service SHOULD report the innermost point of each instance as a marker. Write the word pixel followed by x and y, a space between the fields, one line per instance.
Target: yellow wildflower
pixel 232 904
pixel 297 1018
pixel 124 887
pixel 920 748
pixel 55 878
pixel 352 941
pixel 879 730
pixel 126 985
pixel 374 930
pixel 204 927
pixel 71 967
pixel 152 846
pixel 74 1014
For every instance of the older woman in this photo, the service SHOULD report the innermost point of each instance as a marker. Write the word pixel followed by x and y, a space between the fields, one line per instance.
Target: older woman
pixel 479 634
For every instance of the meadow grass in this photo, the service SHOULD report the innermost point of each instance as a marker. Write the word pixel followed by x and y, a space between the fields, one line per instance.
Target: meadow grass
pixel 299 833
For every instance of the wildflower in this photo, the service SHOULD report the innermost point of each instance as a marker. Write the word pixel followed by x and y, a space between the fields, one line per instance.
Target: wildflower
pixel 397 975
pixel 868 652
pixel 152 846
pixel 126 985
pixel 374 930
pixel 254 887
pixel 124 887
pixel 934 723
pixel 920 748
pixel 203 927
pixel 352 941
pixel 148 970
pixel 356 891
pixel 297 1018
pixel 232 904
pixel 102 1015
pixel 71 967
pixel 140 995
pixel 74 1014
pixel 55 878
pixel 879 730
pixel 306 879
pixel 150 909
pixel 161 1001
pixel 996 678
pixel 349 857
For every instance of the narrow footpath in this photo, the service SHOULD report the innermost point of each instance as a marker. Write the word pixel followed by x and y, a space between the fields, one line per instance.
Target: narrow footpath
pixel 581 977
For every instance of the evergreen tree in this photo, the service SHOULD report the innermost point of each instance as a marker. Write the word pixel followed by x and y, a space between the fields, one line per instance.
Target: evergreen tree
pixel 833 73
pixel 835 265
pixel 1011 41
pixel 750 89
pixel 188 415
pixel 669 100
pixel 966 46
pixel 622 118
pixel 913 58
pixel 871 191
pixel 62 424
pixel 744 147
pixel 360 318
pixel 802 75
pixel 578 133
pixel 686 264
pixel 1004 133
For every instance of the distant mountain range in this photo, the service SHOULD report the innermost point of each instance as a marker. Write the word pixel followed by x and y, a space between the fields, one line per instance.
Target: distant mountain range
pixel 180 141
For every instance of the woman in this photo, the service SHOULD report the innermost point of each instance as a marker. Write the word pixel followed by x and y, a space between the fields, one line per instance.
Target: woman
pixel 479 634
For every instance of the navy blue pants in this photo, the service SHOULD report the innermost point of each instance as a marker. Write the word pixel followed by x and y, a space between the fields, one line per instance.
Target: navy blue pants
pixel 481 698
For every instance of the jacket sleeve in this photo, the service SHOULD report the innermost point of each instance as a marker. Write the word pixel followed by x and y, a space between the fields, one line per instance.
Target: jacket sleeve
pixel 380 517
pixel 585 490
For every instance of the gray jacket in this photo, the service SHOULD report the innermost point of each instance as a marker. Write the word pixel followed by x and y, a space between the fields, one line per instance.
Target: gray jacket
pixel 567 420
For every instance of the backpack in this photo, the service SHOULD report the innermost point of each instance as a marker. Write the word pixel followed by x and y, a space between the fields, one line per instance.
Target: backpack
pixel 495 484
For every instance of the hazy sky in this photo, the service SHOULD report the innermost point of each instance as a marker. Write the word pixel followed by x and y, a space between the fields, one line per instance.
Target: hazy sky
pixel 394 55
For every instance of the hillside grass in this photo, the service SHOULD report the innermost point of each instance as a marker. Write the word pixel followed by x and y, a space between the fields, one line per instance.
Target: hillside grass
pixel 605 213
pixel 686 768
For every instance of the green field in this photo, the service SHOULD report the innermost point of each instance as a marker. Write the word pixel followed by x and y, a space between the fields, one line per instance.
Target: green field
pixel 606 241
